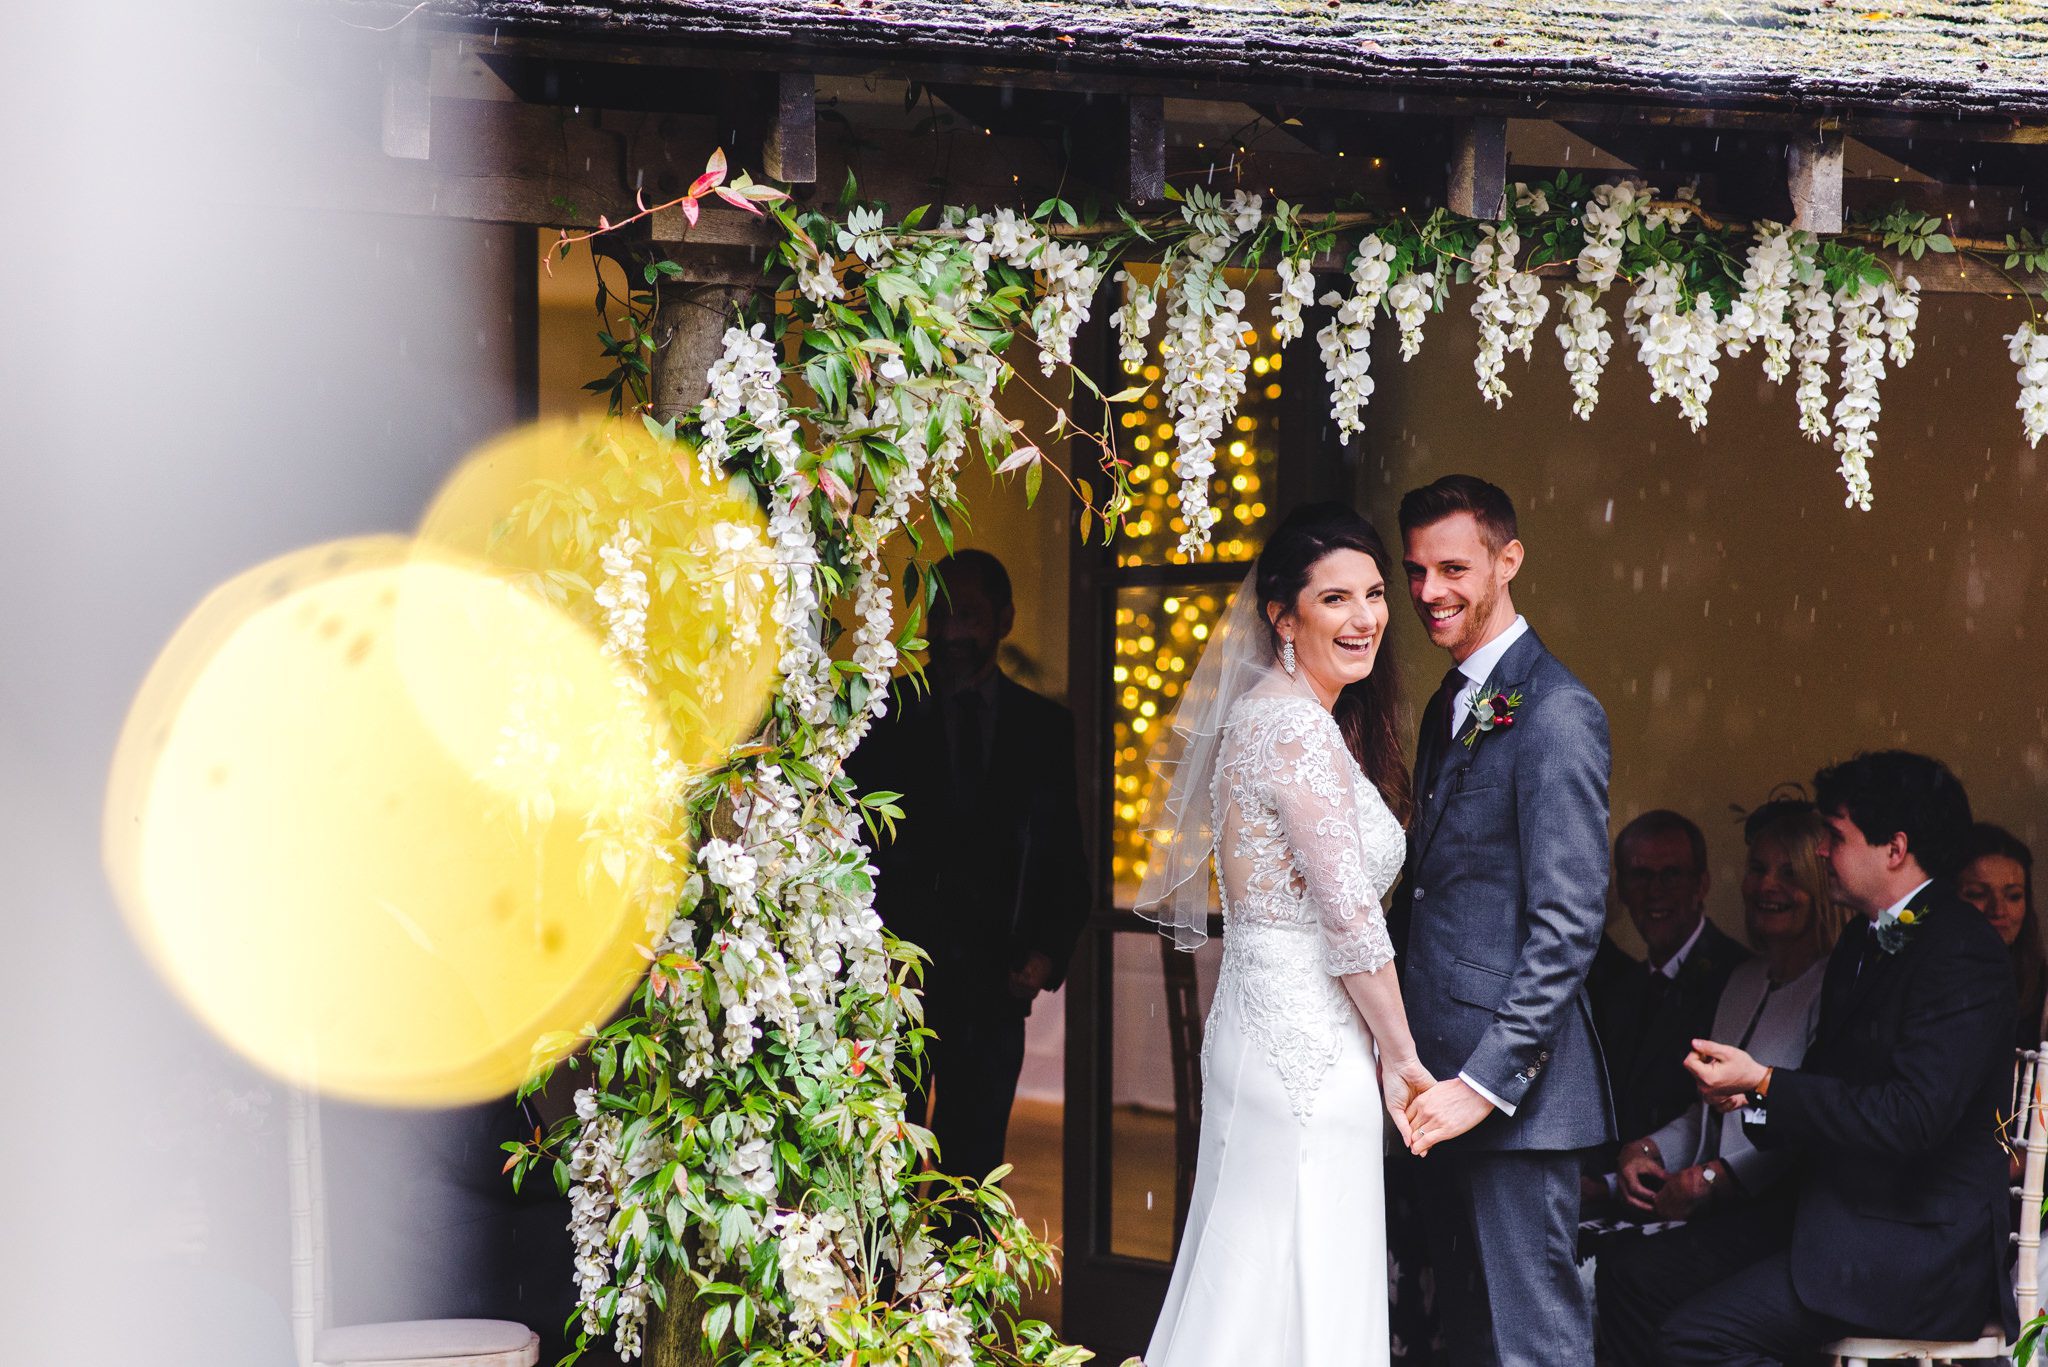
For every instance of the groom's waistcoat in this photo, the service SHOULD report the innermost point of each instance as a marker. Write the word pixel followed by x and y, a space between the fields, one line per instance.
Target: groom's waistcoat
pixel 1504 905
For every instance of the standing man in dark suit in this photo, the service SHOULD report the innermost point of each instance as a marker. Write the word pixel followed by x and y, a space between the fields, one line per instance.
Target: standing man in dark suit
pixel 1504 904
pixel 1649 1011
pixel 1900 1223
pixel 986 872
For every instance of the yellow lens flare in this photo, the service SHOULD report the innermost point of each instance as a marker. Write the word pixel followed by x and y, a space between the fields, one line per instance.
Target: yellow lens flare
pixel 390 825
pixel 572 508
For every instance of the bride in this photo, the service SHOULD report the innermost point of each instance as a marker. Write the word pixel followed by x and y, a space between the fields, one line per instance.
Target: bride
pixel 1286 773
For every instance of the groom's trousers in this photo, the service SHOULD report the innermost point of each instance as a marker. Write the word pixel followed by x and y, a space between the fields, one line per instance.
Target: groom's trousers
pixel 1503 1240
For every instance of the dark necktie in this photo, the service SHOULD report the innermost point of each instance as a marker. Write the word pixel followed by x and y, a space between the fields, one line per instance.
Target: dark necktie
pixel 1447 699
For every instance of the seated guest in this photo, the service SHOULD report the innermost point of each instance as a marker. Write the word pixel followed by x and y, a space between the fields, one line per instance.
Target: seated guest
pixel 1998 880
pixel 1648 1013
pixel 1900 1220
pixel 1701 1166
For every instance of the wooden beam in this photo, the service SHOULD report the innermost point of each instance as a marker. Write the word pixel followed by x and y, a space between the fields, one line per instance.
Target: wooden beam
pixel 1814 176
pixel 1479 167
pixel 789 152
pixel 507 162
pixel 408 123
pixel 1776 112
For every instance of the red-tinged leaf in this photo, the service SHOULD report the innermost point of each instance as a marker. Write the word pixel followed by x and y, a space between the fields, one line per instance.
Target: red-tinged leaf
pixel 764 194
pixel 738 200
pixel 644 952
pixel 714 174
pixel 510 1163
pixel 640 198
pixel 690 211
pixel 836 490
pixel 604 225
pixel 1018 459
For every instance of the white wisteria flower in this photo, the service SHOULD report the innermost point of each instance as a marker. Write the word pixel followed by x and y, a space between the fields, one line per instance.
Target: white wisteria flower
pixel 1133 320
pixel 1203 350
pixel 1860 309
pixel 817 279
pixel 623 596
pixel 1604 218
pixel 1759 311
pixel 1901 316
pixel 1586 341
pixel 728 864
pixel 1297 291
pixel 1069 275
pixel 1676 343
pixel 1813 324
pixel 1346 340
pixel 1408 299
pixel 2028 346
pixel 1509 306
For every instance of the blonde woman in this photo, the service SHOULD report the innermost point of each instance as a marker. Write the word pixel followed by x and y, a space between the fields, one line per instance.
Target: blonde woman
pixel 1702 1164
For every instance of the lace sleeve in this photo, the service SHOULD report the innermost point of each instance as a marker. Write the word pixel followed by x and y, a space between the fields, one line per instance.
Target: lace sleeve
pixel 1310 782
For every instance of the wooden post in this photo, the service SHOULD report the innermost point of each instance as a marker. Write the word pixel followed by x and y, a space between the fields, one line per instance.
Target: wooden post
pixel 689 327
pixel 1144 149
pixel 1479 167
pixel 789 152
pixel 1814 175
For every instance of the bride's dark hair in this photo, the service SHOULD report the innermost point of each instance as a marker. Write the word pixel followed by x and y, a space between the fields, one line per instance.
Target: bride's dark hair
pixel 1368 712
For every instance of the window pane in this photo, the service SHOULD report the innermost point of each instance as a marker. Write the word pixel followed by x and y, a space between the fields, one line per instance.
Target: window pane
pixel 1160 633
pixel 1247 454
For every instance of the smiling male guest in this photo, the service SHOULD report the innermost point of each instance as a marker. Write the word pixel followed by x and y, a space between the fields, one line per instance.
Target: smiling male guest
pixel 1505 899
pixel 1899 1227
pixel 1649 1011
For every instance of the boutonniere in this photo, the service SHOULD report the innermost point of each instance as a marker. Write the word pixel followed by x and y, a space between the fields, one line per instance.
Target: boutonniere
pixel 1891 935
pixel 1490 710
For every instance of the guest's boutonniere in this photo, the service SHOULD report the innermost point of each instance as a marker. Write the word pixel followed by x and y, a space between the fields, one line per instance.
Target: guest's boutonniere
pixel 1490 710
pixel 1891 934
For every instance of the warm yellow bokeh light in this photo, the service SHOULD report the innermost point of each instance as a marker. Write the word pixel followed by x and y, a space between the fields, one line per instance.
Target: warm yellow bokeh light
pixel 383 822
pixel 545 501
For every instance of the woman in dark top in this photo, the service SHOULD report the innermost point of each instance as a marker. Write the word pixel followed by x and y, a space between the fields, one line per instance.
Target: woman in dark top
pixel 1998 879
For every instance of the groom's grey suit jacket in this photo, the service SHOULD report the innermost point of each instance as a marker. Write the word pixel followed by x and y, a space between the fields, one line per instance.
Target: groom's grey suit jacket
pixel 1505 902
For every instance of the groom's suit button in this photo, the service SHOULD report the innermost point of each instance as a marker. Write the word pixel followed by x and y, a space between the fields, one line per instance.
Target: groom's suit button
pixel 1418 894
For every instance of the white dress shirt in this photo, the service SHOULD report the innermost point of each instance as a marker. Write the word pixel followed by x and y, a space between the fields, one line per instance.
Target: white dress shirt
pixel 1670 967
pixel 1477 668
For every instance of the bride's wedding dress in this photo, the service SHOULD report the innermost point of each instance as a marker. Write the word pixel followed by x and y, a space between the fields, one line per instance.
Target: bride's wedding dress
pixel 1283 1261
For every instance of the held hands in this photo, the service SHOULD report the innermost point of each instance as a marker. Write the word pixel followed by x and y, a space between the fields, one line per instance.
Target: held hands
pixel 1028 980
pixel 1640 1175
pixel 1443 1112
pixel 1723 1072
pixel 1401 1084
pixel 1682 1195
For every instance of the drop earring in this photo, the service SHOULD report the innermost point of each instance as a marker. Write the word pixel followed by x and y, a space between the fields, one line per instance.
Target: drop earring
pixel 1287 657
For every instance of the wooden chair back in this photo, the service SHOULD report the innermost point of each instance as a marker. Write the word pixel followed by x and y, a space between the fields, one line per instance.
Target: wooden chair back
pixel 1184 1030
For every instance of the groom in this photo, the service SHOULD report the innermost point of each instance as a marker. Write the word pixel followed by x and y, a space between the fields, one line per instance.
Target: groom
pixel 1504 906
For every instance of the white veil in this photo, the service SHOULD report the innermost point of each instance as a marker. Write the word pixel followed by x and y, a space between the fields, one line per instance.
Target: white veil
pixel 1178 888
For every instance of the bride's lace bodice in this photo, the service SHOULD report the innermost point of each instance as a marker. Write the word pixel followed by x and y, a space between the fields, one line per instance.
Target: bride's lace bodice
pixel 1306 849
